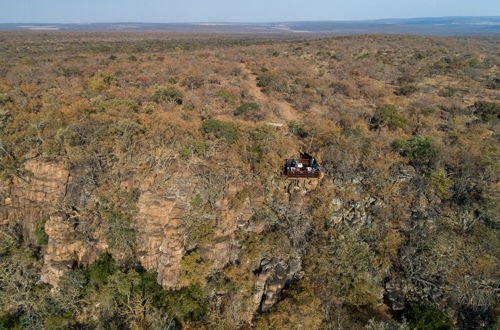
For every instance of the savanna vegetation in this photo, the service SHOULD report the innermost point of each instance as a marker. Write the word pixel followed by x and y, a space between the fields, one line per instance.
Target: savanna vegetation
pixel 405 128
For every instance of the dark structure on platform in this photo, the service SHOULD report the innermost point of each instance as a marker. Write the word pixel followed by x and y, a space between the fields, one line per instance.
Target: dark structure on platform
pixel 305 167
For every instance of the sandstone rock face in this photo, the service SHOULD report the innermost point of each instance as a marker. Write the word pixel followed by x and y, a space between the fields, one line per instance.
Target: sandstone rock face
pixel 161 242
pixel 272 278
pixel 34 198
pixel 64 248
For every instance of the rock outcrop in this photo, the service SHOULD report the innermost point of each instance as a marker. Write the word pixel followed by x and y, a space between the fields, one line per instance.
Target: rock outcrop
pixel 30 199
pixel 54 195
pixel 272 277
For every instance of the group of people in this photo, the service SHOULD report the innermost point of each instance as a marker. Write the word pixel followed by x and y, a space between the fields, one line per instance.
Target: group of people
pixel 296 166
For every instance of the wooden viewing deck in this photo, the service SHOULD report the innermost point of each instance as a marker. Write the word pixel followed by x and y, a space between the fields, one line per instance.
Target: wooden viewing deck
pixel 303 173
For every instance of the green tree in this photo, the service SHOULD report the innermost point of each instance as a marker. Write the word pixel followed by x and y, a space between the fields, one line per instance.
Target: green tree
pixel 425 316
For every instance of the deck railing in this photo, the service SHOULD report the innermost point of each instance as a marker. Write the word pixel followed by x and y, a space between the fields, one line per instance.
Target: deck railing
pixel 302 174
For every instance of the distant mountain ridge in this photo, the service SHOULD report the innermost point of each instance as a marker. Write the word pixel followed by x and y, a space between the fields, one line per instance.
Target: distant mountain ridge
pixel 423 25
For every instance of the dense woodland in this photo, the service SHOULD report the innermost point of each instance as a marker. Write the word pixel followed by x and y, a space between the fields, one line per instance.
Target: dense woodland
pixel 401 232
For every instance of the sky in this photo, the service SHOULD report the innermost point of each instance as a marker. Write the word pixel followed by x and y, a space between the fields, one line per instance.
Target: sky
pixel 249 11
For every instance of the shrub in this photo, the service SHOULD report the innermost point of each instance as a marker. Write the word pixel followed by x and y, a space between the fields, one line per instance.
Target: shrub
pixel 184 152
pixel 4 119
pixel 4 98
pixel 225 96
pixel 424 315
pixel 448 92
pixel 100 82
pixel 119 230
pixel 246 107
pixel 405 90
pixel 442 184
pixel 194 270
pixel 420 150
pixel 189 303
pixel 487 110
pixel 41 236
pixel 168 93
pixel 388 115
pixel 350 131
pixel 494 84
pixel 264 80
pixel 220 129
pixel 101 269
pixel 297 129
pixel 70 72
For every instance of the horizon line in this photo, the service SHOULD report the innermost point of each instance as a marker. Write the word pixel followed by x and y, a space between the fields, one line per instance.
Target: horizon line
pixel 249 22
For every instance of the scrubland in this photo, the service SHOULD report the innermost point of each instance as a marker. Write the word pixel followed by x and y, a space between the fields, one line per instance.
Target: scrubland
pixel 401 232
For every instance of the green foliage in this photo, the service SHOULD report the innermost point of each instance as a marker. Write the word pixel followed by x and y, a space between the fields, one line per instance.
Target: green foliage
pixel 494 84
pixel 194 270
pixel 4 119
pixel 220 129
pixel 487 111
pixel 199 229
pixel 196 201
pixel 70 72
pixel 405 90
pixel 387 115
pixel 100 82
pixel 448 92
pixel 442 184
pixel 184 152
pixel 246 107
pixel 41 236
pixel 264 80
pixel 425 316
pixel 101 269
pixel 351 131
pixel 4 98
pixel 169 93
pixel 351 269
pixel 188 303
pixel 225 96
pixel 420 150
pixel 10 322
pixel 119 229
pixel 297 129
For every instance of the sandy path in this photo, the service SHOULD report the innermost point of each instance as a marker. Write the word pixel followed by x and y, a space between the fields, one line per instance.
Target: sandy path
pixel 287 112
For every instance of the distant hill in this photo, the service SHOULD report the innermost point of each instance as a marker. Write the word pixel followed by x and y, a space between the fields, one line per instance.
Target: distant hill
pixel 428 26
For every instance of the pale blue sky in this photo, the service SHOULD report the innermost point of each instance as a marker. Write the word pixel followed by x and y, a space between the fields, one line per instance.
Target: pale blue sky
pixel 167 11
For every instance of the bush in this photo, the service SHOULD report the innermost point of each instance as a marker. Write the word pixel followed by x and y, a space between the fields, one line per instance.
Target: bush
pixel 264 80
pixel 405 90
pixel 448 92
pixel 169 93
pixel 387 115
pixel 442 184
pixel 4 119
pixel 424 315
pixel 70 72
pixel 246 107
pixel 487 110
pixel 188 303
pixel 119 230
pixel 4 98
pixel 494 84
pixel 101 269
pixel 220 129
pixel 225 96
pixel 100 82
pixel 41 236
pixel 420 150
pixel 297 129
